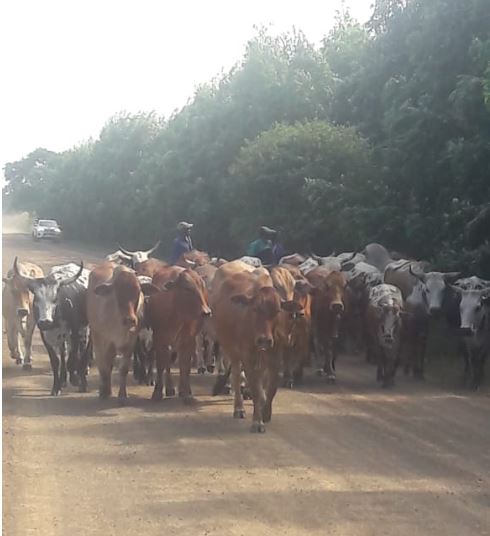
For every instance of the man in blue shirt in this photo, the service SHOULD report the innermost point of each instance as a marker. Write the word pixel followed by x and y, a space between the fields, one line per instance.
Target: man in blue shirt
pixel 182 242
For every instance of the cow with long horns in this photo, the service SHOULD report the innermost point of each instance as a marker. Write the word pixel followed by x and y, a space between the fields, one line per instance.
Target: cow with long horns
pixel 141 261
pixel 60 313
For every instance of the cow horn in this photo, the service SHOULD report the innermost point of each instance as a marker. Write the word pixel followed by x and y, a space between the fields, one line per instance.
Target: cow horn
pixel 73 278
pixel 316 257
pixel 126 251
pixel 154 248
pixel 418 276
pixel 456 289
pixel 25 278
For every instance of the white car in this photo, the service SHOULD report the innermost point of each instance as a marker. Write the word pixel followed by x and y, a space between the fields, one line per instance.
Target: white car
pixel 46 229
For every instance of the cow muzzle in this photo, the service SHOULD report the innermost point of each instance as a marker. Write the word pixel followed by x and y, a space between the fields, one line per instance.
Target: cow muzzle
pixel 337 308
pixel 435 311
pixel 206 312
pixel 45 325
pixel 22 313
pixel 465 332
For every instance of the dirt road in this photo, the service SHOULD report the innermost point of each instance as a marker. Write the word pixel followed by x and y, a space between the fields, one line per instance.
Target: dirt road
pixel 348 459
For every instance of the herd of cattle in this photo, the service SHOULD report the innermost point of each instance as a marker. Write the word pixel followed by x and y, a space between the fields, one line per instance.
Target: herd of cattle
pixel 247 320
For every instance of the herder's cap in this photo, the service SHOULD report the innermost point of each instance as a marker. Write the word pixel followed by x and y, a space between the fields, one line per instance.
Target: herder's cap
pixel 184 225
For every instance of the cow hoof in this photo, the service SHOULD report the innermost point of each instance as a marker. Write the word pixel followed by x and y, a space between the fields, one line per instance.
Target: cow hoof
pixel 331 378
pixel 210 369
pixel 257 428
pixel 18 360
pixel 247 395
pixel 27 366
pixel 319 372
pixel 219 386
pixel 239 414
pixel 289 384
pixel 170 392
pixel 104 394
pixel 121 401
pixel 74 380
pixel 201 370
pixel 55 391
pixel 267 414
pixel 157 395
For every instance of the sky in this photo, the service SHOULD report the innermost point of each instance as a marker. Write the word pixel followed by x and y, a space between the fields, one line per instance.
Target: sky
pixel 67 66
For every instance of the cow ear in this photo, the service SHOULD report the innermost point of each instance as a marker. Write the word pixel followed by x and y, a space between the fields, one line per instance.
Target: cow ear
pixel 104 289
pixel 450 277
pixel 241 299
pixel 291 306
pixel 303 288
pixel 486 301
pixel 149 289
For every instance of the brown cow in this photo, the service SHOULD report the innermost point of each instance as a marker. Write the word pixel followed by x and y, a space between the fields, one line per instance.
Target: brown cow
pixel 193 258
pixel 245 313
pixel 298 347
pixel 176 316
pixel 149 267
pixel 115 304
pixel 18 312
pixel 327 309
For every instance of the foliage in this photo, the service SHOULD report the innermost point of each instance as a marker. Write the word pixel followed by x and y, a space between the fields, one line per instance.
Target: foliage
pixel 382 133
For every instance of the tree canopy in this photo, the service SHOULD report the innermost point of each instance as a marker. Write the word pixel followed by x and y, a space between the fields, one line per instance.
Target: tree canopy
pixel 382 133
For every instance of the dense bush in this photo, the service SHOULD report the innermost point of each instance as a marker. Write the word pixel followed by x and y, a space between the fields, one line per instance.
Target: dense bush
pixel 381 134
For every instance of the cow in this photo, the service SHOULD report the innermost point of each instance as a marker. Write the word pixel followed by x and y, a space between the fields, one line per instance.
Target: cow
pixel 360 279
pixel 255 262
pixel 423 295
pixel 118 257
pixel 245 312
pixel 115 308
pixel 18 313
pixel 328 305
pixel 292 334
pixel 60 312
pixel 176 316
pixel 377 255
pixel 141 255
pixel 384 326
pixel 193 258
pixel 292 260
pixel 474 327
pixel 143 349
pixel 206 345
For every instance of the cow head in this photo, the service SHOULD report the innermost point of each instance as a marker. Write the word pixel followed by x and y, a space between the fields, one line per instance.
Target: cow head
pixel 389 316
pixel 45 291
pixel 192 291
pixel 19 293
pixel 139 256
pixel 263 305
pixel 118 257
pixel 474 310
pixel 126 289
pixel 328 293
pixel 301 297
pixel 433 286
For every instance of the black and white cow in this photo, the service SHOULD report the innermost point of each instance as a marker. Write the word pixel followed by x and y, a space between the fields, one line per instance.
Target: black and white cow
pixel 474 326
pixel 423 294
pixel 60 314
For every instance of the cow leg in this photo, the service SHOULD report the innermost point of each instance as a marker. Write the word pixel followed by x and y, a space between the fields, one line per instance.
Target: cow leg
pixel 85 354
pixel 258 396
pixel 31 325
pixel 123 375
pixel 287 377
pixel 137 366
pixel 105 361
pixel 202 350
pixel 236 380
pixel 186 352
pixel 318 351
pixel 55 366
pixel 330 356
pixel 211 365
pixel 161 353
pixel 272 378
pixel 13 341
pixel 63 365
pixel 74 358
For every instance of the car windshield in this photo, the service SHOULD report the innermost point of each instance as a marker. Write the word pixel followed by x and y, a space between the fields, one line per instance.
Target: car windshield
pixel 48 223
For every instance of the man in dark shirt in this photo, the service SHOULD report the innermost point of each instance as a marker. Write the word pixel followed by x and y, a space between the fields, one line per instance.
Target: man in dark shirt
pixel 182 242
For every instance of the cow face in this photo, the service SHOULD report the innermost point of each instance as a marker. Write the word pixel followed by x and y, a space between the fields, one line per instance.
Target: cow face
pixel 432 286
pixel 125 288
pixel 301 297
pixel 474 310
pixel 263 307
pixel 329 298
pixel 389 323
pixel 193 294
